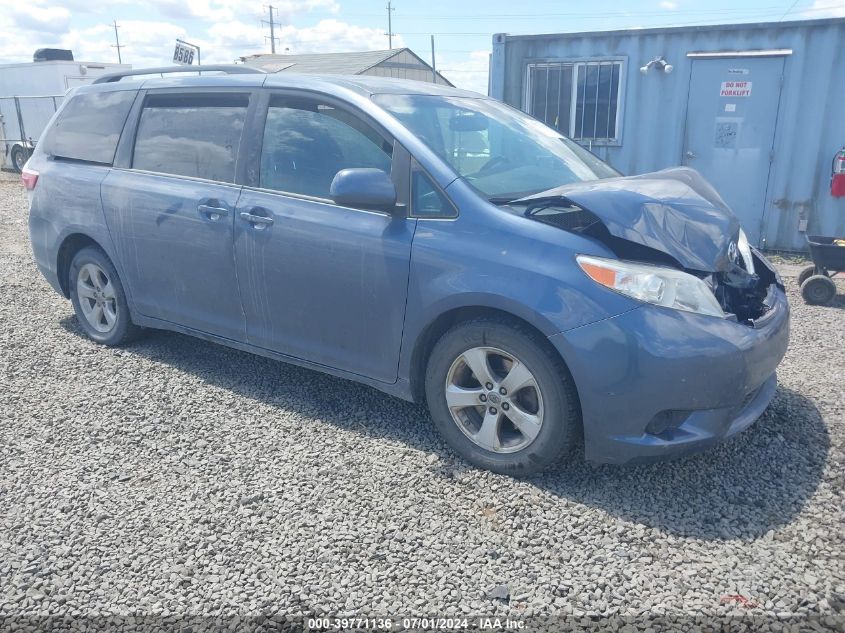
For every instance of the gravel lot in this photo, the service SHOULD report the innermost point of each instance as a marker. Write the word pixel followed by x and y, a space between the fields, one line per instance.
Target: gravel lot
pixel 177 478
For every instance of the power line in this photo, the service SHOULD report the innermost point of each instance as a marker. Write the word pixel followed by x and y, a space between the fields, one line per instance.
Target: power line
pixel 390 11
pixel 705 22
pixel 788 11
pixel 272 24
pixel 117 42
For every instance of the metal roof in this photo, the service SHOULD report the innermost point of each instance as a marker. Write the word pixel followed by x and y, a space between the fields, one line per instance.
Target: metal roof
pixel 335 63
pixel 706 28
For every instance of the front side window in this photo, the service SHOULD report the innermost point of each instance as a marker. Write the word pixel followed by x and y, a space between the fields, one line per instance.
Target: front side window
pixel 579 99
pixel 191 135
pixel 427 200
pixel 502 152
pixel 306 143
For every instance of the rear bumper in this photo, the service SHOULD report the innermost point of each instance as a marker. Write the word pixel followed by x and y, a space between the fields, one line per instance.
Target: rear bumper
pixel 656 383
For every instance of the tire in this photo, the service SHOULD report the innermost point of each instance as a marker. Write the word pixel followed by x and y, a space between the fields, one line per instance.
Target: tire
pixel 550 399
pixel 818 290
pixel 806 273
pixel 19 157
pixel 92 274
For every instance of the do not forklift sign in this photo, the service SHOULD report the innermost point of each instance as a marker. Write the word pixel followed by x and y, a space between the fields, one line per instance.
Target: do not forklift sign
pixel 735 89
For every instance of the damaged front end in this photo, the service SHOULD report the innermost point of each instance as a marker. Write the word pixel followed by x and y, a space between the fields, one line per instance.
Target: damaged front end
pixel 674 219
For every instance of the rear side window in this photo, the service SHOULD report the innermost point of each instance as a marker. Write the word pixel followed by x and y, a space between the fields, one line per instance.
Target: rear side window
pixel 191 135
pixel 89 126
pixel 306 143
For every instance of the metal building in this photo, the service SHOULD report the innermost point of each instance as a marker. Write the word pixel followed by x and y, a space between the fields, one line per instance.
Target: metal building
pixel 399 63
pixel 758 109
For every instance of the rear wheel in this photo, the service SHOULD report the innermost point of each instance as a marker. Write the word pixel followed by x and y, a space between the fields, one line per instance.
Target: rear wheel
pixel 98 298
pixel 818 290
pixel 501 398
pixel 806 273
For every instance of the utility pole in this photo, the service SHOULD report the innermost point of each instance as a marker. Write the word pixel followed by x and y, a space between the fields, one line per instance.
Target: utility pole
pixel 390 11
pixel 117 43
pixel 433 64
pixel 272 29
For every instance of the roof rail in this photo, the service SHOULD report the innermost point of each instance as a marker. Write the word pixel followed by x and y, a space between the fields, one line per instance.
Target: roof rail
pixel 230 69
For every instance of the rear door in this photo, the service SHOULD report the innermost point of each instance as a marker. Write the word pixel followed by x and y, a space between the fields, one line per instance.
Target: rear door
pixel 170 208
pixel 730 130
pixel 319 281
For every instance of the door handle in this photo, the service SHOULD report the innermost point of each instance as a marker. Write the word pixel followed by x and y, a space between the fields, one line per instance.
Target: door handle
pixel 258 221
pixel 212 213
pixel 689 154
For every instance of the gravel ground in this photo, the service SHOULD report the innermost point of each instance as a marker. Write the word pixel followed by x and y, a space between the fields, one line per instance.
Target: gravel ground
pixel 176 479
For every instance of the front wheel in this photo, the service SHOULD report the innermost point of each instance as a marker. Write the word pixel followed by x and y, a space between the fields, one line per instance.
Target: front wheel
pixel 98 298
pixel 501 398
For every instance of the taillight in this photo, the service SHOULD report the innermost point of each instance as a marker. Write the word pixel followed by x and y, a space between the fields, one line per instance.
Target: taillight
pixel 29 178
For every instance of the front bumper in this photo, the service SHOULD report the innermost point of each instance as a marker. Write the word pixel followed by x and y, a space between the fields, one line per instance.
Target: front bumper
pixel 711 377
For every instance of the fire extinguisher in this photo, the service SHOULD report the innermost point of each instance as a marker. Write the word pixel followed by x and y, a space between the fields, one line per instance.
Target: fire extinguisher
pixel 837 178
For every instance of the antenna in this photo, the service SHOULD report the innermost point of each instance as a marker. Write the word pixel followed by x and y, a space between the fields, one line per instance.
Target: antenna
pixel 117 42
pixel 389 33
pixel 272 24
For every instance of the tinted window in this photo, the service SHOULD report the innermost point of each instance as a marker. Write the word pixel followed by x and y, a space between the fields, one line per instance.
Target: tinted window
pixel 427 200
pixel 89 126
pixel 306 143
pixel 191 135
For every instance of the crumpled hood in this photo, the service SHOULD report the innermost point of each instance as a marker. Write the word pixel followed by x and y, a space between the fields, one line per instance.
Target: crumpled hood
pixel 675 211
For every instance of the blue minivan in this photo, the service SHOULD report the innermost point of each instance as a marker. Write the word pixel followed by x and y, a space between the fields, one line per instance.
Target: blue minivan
pixel 427 241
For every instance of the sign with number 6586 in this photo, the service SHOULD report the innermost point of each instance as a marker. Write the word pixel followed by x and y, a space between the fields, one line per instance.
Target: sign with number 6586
pixel 183 54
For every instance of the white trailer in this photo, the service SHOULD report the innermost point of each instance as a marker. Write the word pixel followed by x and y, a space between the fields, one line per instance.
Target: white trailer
pixel 29 95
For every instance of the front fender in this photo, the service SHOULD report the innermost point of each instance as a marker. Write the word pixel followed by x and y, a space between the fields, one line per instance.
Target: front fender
pixel 505 263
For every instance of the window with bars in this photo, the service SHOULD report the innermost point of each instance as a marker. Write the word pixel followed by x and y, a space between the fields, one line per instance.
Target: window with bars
pixel 580 99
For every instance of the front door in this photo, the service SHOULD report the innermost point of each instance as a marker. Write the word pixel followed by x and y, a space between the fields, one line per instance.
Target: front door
pixel 171 211
pixel 321 282
pixel 730 129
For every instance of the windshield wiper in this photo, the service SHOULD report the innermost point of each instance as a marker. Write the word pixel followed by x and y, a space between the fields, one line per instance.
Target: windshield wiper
pixel 500 200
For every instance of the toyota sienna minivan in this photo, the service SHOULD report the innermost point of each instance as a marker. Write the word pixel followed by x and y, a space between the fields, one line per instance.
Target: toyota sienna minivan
pixel 427 241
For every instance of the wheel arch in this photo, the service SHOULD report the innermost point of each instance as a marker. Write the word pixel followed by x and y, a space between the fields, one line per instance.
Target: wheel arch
pixel 69 247
pixel 438 326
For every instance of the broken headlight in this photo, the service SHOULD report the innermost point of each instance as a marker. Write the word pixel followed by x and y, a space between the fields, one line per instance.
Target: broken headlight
pixel 667 287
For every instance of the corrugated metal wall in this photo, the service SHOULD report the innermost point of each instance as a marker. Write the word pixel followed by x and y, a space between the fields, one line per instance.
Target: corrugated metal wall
pixel 811 116
pixel 404 66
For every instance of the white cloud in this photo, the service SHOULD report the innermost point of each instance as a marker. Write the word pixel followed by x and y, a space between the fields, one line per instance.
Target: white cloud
pixel 223 11
pixel 468 73
pixel 42 19
pixel 669 5
pixel 826 9
pixel 147 43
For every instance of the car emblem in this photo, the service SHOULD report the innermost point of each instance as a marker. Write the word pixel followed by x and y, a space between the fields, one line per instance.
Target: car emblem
pixel 733 251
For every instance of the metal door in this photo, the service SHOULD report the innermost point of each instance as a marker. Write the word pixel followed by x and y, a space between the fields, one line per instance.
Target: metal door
pixel 323 283
pixel 731 116
pixel 174 238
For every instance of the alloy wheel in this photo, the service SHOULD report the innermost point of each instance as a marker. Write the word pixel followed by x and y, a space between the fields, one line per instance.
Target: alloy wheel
pixel 494 399
pixel 96 297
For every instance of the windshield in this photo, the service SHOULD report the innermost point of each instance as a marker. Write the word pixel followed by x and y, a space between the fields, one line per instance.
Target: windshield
pixel 504 153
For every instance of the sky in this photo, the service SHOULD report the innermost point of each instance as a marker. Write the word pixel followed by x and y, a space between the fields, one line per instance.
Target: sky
pixel 228 29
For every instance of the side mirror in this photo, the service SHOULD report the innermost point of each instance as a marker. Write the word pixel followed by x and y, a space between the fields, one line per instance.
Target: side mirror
pixel 363 188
